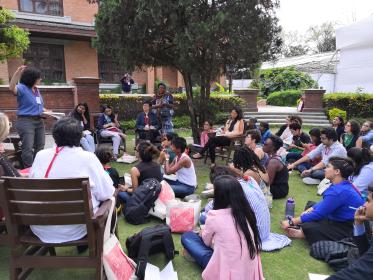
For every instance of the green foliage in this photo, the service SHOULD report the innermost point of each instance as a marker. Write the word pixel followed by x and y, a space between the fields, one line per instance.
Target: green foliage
pixel 13 40
pixel 130 106
pixel 284 98
pixel 355 104
pixel 280 79
pixel 335 112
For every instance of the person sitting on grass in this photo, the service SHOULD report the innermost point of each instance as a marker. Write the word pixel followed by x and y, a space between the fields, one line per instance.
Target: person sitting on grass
pixel 339 126
pixel 299 139
pixel 366 137
pixel 183 167
pixel 208 131
pixel 276 169
pixel 228 246
pixel 252 123
pixel 362 268
pixel 166 145
pixel 147 123
pixel 257 201
pixel 352 132
pixel 264 131
pixel 328 148
pixel 252 139
pixel 234 127
pixel 363 172
pixel 105 155
pixel 145 169
pixel 331 218
pixel 70 162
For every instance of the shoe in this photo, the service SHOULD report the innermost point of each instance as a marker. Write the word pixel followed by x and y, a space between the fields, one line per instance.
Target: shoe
pixel 207 193
pixel 311 181
pixel 209 186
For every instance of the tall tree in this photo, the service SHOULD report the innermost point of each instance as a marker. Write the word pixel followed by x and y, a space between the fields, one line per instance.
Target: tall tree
pixel 294 44
pixel 13 40
pixel 322 37
pixel 200 38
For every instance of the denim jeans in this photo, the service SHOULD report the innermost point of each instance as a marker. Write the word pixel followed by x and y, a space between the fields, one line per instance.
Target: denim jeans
pixel 32 135
pixel 181 190
pixel 195 246
pixel 303 166
pixel 123 197
pixel 318 174
pixel 88 143
pixel 293 157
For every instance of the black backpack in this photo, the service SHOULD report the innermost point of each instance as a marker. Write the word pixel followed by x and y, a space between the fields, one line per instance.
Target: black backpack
pixel 142 200
pixel 149 241
pixel 338 254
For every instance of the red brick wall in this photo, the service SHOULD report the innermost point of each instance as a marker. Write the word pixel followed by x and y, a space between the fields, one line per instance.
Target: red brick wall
pixel 140 76
pixel 80 60
pixel 9 4
pixel 4 76
pixel 80 10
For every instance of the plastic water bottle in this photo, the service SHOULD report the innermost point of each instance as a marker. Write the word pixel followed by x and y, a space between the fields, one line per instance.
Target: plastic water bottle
pixel 290 207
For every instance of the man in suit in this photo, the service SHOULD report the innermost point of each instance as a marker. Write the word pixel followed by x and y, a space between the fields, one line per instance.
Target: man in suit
pixel 147 123
pixel 362 268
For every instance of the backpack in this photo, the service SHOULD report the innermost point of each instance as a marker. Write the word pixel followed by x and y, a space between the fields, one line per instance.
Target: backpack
pixel 150 240
pixel 142 200
pixel 338 254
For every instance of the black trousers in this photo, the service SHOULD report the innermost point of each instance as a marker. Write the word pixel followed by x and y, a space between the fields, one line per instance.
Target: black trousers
pixel 150 135
pixel 212 143
pixel 326 230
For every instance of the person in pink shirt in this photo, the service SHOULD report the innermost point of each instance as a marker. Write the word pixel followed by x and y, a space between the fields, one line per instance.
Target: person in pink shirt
pixel 228 245
pixel 208 130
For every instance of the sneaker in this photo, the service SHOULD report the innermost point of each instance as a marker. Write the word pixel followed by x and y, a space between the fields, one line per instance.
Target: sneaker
pixel 311 181
pixel 187 256
pixel 207 193
pixel 209 186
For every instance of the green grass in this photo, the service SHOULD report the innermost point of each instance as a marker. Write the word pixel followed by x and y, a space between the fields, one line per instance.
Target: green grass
pixel 293 262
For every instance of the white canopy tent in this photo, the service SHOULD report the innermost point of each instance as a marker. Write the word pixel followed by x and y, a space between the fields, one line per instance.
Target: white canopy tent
pixel 355 67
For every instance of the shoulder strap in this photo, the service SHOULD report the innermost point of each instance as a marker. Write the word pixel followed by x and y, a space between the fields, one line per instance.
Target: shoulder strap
pixel 58 149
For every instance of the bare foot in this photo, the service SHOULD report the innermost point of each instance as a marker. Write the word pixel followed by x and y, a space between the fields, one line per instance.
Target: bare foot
pixel 295 233
pixel 197 156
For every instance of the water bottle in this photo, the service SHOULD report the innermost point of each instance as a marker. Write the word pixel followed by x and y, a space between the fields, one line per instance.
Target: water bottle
pixel 290 207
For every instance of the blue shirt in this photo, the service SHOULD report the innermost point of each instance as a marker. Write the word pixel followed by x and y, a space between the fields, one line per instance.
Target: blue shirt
pixel 336 203
pixel 28 101
pixel 368 138
pixel 265 135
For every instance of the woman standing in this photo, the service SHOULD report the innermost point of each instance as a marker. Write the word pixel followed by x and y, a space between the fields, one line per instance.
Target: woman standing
pixel 30 125
pixel 352 132
pixel 81 114
pixel 229 244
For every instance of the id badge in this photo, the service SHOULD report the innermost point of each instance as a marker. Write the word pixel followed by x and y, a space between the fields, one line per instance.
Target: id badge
pixel 38 99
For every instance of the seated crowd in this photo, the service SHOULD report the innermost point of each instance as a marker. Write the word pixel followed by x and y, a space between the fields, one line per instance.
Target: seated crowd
pixel 242 191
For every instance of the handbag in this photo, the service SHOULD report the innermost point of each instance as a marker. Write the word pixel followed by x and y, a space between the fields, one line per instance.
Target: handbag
pixel 117 265
pixel 183 216
pixel 166 196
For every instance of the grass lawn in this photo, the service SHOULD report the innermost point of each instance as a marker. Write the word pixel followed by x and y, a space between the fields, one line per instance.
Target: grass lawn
pixel 293 262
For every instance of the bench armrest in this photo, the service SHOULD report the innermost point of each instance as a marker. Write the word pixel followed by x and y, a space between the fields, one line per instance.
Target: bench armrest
pixel 101 215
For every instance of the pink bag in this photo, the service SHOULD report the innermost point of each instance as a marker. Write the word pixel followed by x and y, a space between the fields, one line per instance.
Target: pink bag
pixel 183 216
pixel 166 196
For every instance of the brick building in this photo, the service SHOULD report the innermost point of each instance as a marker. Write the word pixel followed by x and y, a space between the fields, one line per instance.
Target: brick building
pixel 61 33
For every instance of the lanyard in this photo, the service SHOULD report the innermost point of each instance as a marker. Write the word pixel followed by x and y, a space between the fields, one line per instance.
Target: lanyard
pixel 58 149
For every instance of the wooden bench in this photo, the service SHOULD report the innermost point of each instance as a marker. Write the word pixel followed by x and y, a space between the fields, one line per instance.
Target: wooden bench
pixel 51 202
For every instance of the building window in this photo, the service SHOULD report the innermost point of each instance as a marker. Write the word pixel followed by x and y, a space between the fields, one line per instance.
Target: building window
pixel 109 70
pixel 44 7
pixel 49 59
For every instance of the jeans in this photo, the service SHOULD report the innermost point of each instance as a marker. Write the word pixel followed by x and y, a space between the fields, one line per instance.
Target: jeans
pixel 293 157
pixel 115 137
pixel 123 197
pixel 195 246
pixel 303 166
pixel 32 135
pixel 181 190
pixel 318 174
pixel 88 143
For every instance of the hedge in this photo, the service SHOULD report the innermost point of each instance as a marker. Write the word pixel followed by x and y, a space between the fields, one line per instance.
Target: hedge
pixel 284 98
pixel 129 106
pixel 355 104
pixel 335 112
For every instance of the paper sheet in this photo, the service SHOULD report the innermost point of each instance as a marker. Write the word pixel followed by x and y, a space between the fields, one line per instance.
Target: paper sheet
pixel 313 276
pixel 152 272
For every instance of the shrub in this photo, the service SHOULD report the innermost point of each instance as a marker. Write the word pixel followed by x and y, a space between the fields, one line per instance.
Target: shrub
pixel 280 79
pixel 284 98
pixel 355 104
pixel 335 112
pixel 130 105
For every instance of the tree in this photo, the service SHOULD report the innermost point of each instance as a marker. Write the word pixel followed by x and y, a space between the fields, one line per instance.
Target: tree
pixel 322 37
pixel 294 44
pixel 199 38
pixel 13 40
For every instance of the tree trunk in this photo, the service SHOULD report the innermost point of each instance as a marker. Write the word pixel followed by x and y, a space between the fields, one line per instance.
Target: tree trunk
pixel 190 102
